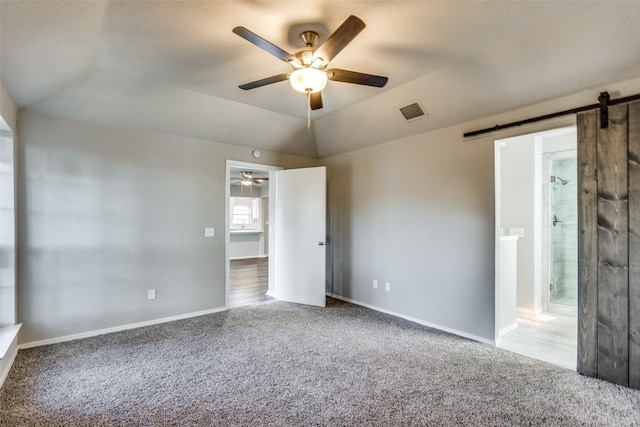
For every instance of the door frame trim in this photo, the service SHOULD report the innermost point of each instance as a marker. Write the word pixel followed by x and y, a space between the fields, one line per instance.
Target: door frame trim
pixel 549 127
pixel 227 265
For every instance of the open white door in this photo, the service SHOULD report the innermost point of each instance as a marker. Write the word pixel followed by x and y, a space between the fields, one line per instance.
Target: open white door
pixel 301 232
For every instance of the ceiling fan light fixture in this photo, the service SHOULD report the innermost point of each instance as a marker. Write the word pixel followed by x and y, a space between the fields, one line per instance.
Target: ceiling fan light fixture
pixel 309 64
pixel 247 178
pixel 308 80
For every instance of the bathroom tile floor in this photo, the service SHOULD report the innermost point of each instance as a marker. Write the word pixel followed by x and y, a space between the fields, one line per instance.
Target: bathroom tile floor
pixel 547 336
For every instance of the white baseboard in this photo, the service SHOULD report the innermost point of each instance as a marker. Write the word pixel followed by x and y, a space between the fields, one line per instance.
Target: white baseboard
pixel 119 328
pixel 507 329
pixel 566 310
pixel 529 311
pixel 414 320
pixel 248 257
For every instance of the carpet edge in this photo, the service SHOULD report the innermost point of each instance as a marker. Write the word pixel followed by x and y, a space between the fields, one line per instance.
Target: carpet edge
pixel 120 328
pixel 416 320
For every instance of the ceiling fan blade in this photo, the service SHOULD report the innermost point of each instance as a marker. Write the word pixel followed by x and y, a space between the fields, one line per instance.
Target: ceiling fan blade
pixel 265 81
pixel 266 45
pixel 338 75
pixel 316 100
pixel 339 39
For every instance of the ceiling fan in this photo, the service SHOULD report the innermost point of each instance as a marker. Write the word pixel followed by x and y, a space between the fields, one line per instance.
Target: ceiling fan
pixel 310 73
pixel 248 179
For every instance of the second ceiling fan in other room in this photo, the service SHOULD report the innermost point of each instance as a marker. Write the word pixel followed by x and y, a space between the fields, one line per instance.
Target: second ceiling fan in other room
pixel 246 178
pixel 310 73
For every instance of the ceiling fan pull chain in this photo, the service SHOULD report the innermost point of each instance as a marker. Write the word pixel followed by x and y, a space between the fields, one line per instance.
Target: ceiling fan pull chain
pixel 308 111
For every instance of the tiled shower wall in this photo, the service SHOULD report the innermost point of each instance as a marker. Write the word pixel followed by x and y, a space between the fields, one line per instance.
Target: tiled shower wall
pixel 564 235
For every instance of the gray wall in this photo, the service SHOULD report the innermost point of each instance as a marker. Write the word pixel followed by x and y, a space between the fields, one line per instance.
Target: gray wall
pixel 418 213
pixel 107 214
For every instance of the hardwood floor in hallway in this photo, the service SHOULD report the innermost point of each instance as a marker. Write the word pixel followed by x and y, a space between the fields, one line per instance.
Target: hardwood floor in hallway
pixel 249 281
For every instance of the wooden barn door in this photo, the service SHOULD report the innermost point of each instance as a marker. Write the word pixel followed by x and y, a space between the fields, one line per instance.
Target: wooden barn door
pixel 609 245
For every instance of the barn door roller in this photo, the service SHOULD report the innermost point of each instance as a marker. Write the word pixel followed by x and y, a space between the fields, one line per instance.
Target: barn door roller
pixel 604 109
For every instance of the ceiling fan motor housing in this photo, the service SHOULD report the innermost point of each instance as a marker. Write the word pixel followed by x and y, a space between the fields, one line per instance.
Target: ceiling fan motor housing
pixel 305 57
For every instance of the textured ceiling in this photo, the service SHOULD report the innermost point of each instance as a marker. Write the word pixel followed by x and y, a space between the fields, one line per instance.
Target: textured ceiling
pixel 175 66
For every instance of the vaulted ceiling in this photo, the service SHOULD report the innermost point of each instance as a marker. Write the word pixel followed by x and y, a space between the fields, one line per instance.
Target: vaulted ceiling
pixel 175 66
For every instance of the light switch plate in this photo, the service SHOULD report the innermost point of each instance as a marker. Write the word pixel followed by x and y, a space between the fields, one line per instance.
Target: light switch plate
pixel 151 294
pixel 209 232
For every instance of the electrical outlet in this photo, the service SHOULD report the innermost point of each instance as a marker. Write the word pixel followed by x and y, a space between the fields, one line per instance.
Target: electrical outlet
pixel 209 232
pixel 375 284
pixel 387 286
pixel 151 294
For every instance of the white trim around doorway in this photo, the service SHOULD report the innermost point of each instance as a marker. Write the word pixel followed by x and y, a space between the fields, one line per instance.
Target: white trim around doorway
pixel 254 167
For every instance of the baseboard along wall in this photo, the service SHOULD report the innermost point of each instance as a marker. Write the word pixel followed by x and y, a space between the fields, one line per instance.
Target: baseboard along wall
pixel 119 328
pixel 508 329
pixel 217 310
pixel 528 311
pixel 414 320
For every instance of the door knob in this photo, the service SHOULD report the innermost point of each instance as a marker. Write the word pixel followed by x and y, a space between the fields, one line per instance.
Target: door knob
pixel 322 243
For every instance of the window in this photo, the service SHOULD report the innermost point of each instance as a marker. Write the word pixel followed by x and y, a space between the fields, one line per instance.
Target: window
pixel 244 213
pixel 7 228
pixel 8 328
pixel 241 215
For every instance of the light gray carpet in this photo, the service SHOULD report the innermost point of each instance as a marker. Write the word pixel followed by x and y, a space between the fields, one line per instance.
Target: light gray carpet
pixel 287 365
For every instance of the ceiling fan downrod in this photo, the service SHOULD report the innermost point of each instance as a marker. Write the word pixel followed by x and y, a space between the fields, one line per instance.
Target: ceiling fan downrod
pixel 310 38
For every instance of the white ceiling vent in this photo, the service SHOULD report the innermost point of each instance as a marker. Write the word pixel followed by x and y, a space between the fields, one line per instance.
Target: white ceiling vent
pixel 413 111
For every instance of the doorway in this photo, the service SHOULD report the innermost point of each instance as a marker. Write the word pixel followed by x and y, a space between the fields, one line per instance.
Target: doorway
pixel 296 230
pixel 248 233
pixel 536 205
